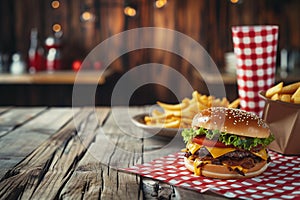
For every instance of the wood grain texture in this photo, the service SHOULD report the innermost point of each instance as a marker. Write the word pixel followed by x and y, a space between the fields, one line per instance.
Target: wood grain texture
pixel 96 176
pixel 4 109
pixel 16 117
pixel 208 21
pixel 81 156
pixel 49 166
pixel 18 143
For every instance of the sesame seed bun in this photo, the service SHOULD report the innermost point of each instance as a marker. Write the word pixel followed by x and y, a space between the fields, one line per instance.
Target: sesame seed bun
pixel 223 172
pixel 233 121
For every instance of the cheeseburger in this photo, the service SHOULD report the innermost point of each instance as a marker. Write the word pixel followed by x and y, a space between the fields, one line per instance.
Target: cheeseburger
pixel 227 143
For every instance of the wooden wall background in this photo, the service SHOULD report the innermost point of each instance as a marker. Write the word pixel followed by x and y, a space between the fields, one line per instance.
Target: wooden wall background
pixel 206 21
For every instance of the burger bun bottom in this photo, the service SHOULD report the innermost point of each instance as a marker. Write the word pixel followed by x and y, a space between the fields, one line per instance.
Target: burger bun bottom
pixel 223 172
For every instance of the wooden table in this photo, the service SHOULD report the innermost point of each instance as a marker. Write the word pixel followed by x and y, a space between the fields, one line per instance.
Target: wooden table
pixel 65 153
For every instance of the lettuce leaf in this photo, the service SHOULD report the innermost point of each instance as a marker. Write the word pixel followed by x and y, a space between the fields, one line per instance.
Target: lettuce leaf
pixel 246 143
pixel 189 134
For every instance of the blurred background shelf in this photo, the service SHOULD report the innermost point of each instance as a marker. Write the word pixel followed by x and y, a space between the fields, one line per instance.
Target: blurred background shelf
pixel 57 77
pixel 99 77
pixel 54 89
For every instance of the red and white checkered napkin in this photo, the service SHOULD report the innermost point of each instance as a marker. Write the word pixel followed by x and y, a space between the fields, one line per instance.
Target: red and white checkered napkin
pixel 281 180
pixel 255 48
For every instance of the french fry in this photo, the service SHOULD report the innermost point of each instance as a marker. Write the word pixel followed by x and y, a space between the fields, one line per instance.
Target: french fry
pixel 156 119
pixel 291 88
pixel 203 98
pixel 201 106
pixel 172 124
pixel 196 95
pixel 163 117
pixel 274 90
pixel 156 113
pixel 275 97
pixel 225 102
pixel 234 104
pixel 296 95
pixel 179 106
pixel 285 98
pixel 210 99
pixel 147 119
pixel 297 100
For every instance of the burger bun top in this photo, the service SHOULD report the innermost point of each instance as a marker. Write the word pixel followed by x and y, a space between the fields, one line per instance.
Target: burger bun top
pixel 233 121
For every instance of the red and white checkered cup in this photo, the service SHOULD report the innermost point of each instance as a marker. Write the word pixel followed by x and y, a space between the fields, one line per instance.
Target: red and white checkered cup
pixel 255 48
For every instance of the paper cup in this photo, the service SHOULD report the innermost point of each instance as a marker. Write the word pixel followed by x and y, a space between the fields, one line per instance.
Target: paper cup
pixel 255 48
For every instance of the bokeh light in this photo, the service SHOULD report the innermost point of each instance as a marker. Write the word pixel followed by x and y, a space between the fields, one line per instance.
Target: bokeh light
pixel 55 4
pixel 56 28
pixel 129 11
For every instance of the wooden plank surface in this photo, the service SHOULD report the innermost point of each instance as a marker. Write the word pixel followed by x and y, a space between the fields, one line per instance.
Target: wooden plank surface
pixel 29 135
pixel 93 177
pixel 16 117
pixel 49 166
pixel 18 143
pixel 9 120
pixel 78 158
pixel 4 109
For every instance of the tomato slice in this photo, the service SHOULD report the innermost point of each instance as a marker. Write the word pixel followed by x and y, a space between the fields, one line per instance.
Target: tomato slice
pixel 202 140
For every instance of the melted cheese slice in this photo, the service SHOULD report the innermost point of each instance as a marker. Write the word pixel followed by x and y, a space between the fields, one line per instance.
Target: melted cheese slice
pixel 262 153
pixel 217 151
pixel 193 147
pixel 197 167
pixel 240 168
pixel 198 164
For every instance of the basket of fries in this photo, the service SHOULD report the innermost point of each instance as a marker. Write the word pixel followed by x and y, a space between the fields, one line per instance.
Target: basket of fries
pixel 282 113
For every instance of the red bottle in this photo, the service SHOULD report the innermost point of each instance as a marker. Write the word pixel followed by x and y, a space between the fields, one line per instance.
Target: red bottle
pixel 35 53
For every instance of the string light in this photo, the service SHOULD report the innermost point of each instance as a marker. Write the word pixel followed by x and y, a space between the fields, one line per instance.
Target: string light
pixel 55 4
pixel 160 3
pixel 56 28
pixel 234 1
pixel 87 16
pixel 130 11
